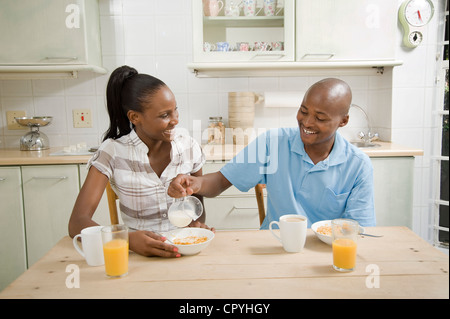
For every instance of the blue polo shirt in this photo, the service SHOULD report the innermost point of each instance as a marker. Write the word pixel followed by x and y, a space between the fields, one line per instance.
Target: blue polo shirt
pixel 341 186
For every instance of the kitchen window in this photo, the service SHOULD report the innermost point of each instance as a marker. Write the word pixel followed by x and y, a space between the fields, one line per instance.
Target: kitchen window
pixel 440 166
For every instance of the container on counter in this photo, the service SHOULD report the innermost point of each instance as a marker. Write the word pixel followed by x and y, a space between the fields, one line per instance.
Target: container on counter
pixel 216 130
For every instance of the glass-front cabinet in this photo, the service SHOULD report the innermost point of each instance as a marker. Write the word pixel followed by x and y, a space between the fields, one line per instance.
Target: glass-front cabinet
pixel 243 30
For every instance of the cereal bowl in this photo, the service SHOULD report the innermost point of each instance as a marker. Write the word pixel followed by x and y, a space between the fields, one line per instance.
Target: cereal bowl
pixel 322 230
pixel 190 240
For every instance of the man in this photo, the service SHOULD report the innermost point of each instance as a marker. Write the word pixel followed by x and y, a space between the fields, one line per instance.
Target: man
pixel 309 170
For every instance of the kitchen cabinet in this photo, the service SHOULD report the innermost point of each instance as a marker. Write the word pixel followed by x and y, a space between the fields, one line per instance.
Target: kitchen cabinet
pixel 232 209
pixel 350 30
pixel 393 187
pixel 265 38
pixel 12 233
pixel 35 206
pixel 357 36
pixel 50 36
pixel 49 193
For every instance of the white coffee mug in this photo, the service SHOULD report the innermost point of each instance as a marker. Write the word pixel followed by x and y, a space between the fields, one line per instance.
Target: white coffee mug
pixel 293 232
pixel 232 10
pixel 91 241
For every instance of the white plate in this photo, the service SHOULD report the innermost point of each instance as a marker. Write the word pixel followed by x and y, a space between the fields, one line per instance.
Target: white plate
pixel 325 238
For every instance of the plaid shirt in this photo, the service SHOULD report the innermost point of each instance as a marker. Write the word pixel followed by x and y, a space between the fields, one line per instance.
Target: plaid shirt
pixel 142 194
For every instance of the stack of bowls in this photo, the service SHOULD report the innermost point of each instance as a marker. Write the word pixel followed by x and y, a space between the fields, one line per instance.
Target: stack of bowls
pixel 241 113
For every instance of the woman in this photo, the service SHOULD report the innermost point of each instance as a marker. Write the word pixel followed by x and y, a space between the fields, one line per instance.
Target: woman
pixel 140 154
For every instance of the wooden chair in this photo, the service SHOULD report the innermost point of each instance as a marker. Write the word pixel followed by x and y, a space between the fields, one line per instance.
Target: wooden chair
pixel 259 191
pixel 112 197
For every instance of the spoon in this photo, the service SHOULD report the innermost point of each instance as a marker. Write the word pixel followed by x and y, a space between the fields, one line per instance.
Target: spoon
pixel 369 235
pixel 161 235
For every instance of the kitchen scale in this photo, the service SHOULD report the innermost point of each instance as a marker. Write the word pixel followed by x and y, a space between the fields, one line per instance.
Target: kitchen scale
pixel 34 140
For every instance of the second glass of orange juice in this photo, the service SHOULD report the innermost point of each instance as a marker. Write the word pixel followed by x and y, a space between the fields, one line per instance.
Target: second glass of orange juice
pixel 115 250
pixel 344 235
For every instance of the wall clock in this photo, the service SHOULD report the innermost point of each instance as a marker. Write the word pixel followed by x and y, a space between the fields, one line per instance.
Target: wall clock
pixel 414 15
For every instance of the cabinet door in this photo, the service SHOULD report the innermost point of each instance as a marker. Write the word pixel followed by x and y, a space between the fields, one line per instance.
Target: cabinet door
pixel 12 235
pixel 393 188
pixel 269 38
pixel 42 31
pixel 339 30
pixel 49 193
pixel 232 212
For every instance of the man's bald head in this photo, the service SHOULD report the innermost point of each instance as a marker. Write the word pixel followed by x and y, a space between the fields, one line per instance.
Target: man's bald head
pixel 332 93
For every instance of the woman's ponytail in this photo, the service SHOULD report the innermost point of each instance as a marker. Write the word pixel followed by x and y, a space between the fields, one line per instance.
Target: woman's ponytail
pixel 119 123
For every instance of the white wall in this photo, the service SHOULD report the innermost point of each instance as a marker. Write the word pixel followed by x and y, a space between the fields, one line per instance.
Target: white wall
pixel 413 100
pixel 155 37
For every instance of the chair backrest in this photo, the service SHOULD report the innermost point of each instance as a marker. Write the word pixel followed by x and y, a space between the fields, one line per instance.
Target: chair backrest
pixel 259 191
pixel 112 197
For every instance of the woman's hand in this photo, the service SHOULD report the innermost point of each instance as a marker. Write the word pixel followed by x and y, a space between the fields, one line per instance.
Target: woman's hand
pixel 147 243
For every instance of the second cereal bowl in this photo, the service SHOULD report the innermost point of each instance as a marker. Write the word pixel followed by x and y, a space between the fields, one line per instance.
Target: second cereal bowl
pixel 326 236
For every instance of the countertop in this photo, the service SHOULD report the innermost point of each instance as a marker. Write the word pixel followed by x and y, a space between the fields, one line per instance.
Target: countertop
pixel 212 152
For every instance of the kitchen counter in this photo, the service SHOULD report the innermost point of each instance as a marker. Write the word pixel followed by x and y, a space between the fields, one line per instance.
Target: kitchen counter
pixel 212 152
pixel 383 149
pixel 17 157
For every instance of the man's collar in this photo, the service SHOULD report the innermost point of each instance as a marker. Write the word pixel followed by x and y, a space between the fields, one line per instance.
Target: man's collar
pixel 337 155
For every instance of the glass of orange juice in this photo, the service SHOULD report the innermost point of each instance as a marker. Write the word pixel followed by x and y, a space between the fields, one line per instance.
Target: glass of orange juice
pixel 115 250
pixel 344 235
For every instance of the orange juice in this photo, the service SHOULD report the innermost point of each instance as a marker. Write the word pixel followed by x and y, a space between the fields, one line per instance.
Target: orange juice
pixel 344 253
pixel 116 257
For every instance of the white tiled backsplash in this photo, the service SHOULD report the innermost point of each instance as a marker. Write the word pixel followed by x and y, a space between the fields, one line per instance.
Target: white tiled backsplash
pixel 155 37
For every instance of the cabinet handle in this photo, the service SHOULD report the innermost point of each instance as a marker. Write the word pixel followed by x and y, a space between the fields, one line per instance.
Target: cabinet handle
pixel 2 179
pixel 50 177
pixel 267 55
pixel 237 207
pixel 322 56
pixel 61 58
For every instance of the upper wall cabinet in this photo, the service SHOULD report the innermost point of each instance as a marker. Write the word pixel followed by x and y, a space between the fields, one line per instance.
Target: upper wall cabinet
pixel 49 36
pixel 346 30
pixel 297 36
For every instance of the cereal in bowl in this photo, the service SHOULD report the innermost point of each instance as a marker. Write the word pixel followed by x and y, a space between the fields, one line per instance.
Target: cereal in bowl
pixel 324 230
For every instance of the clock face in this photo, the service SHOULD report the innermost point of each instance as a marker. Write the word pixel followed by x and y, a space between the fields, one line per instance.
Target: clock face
pixel 415 38
pixel 419 12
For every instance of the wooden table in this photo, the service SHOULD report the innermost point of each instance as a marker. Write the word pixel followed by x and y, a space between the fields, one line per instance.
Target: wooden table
pixel 251 264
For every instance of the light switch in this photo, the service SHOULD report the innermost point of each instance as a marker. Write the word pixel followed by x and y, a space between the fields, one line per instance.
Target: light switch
pixel 82 118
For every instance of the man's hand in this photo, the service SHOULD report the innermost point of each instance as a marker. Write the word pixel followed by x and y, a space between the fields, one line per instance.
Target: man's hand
pixel 183 185
pixel 201 225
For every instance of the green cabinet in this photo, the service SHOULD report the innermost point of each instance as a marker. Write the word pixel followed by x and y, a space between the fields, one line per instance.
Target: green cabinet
pixel 49 193
pixel 13 259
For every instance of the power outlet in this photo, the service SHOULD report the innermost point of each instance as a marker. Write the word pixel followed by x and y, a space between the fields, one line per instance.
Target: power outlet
pixel 82 118
pixel 11 122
